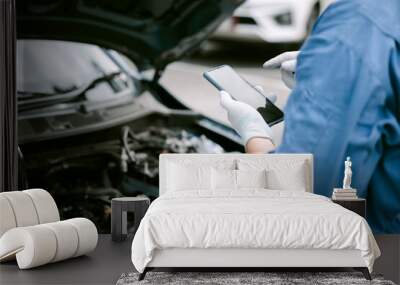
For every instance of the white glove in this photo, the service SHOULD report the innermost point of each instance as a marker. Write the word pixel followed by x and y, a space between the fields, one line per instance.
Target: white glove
pixel 287 63
pixel 247 122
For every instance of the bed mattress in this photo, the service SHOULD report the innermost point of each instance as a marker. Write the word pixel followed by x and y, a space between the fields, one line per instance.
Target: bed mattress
pixel 251 219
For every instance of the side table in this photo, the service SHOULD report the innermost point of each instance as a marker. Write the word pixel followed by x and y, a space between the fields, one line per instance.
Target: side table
pixel 358 205
pixel 119 208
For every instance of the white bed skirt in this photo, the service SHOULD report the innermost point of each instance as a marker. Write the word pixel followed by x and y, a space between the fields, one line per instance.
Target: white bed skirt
pixel 235 257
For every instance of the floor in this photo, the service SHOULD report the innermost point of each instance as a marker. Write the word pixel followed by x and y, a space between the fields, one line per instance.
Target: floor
pixel 388 264
pixel 110 259
pixel 103 266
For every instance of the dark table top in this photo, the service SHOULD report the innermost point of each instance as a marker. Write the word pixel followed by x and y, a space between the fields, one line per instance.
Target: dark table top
pixel 102 266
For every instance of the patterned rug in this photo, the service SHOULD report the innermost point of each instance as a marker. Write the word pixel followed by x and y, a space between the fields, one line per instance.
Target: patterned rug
pixel 244 278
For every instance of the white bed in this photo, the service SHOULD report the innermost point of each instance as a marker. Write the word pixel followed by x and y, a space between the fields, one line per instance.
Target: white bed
pixel 200 223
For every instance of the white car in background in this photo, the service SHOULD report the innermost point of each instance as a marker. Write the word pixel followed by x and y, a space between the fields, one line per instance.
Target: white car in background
pixel 273 21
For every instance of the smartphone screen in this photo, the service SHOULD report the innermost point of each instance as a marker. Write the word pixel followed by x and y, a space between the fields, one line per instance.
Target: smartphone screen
pixel 225 78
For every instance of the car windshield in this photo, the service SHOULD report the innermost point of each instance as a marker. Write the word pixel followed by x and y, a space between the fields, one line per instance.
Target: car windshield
pixel 53 72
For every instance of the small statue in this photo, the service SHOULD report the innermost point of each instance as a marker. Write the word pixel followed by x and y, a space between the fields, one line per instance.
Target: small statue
pixel 347 174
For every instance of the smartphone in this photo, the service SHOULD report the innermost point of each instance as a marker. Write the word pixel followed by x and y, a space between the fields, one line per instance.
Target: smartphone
pixel 225 78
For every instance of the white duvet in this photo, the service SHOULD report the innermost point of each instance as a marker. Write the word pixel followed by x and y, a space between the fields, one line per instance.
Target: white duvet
pixel 250 219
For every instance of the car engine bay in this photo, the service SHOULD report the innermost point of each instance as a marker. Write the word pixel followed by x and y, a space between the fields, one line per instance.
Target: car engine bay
pixel 85 178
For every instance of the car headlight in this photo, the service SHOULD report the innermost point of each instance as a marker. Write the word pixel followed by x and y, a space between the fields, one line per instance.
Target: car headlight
pixel 284 19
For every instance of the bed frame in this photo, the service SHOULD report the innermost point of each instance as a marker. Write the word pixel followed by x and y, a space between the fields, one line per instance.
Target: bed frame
pixel 245 259
pixel 234 259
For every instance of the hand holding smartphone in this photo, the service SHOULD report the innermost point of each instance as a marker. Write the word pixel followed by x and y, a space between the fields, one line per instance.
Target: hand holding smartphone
pixel 225 78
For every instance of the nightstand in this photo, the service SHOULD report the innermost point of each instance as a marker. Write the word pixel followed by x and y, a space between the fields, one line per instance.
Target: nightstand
pixel 358 205
pixel 119 208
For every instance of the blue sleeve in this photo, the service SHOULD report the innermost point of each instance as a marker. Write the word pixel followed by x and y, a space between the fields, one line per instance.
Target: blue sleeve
pixel 324 108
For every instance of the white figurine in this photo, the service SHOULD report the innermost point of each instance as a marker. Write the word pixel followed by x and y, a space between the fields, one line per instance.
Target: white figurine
pixel 347 174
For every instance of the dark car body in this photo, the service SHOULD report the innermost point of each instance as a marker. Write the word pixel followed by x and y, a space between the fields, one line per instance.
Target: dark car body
pixel 93 117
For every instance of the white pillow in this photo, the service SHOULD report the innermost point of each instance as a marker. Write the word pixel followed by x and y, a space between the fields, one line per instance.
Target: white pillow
pixel 181 177
pixel 251 178
pixel 290 179
pixel 227 179
pixel 223 179
pixel 282 174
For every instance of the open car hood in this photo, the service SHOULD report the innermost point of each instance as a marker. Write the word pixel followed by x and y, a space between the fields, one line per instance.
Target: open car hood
pixel 152 33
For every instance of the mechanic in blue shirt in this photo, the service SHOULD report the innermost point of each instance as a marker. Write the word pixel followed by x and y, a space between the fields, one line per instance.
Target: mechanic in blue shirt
pixel 345 102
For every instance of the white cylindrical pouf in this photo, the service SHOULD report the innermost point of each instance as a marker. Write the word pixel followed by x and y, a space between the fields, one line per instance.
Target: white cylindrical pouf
pixel 23 208
pixel 87 234
pixel 34 246
pixel 67 240
pixel 45 205
pixel 7 218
